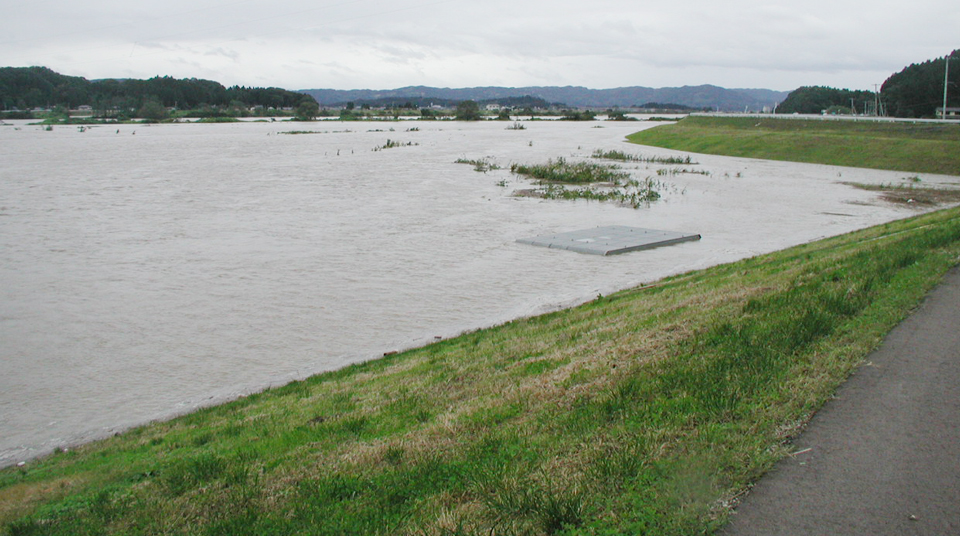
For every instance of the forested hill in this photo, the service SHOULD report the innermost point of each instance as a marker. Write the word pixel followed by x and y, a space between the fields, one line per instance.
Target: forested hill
pixel 705 96
pixel 915 91
pixel 25 88
pixel 821 99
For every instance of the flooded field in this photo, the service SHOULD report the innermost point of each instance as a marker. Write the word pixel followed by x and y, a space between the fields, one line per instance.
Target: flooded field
pixel 149 270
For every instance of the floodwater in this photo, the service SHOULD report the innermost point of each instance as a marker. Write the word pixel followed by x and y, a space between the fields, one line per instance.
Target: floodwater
pixel 150 270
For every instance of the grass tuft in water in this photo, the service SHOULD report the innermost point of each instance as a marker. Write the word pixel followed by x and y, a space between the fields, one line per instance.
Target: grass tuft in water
pixel 393 143
pixel 481 165
pixel 561 170
pixel 595 182
pixel 622 156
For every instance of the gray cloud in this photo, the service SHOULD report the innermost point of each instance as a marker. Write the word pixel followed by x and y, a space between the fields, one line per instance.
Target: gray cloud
pixel 382 44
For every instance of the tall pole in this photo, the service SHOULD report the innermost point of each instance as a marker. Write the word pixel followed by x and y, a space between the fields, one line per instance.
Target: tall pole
pixel 946 73
pixel 876 100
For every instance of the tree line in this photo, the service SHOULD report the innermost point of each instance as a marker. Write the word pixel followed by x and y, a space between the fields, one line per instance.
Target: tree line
pixel 26 88
pixel 821 99
pixel 916 91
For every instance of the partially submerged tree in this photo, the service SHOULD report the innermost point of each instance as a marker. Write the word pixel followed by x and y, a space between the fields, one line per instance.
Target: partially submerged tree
pixel 152 110
pixel 308 110
pixel 468 110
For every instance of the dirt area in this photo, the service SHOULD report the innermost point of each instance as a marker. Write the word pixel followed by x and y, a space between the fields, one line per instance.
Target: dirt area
pixel 921 196
pixel 910 195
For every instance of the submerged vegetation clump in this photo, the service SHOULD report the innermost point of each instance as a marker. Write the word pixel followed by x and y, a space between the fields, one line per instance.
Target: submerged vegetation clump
pixel 627 157
pixel 219 119
pixel 298 132
pixel 595 182
pixel 633 193
pixel 579 115
pixel 662 172
pixel 393 143
pixel 561 170
pixel 481 165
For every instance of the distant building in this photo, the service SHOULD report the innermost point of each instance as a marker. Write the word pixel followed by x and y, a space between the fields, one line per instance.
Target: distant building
pixel 952 112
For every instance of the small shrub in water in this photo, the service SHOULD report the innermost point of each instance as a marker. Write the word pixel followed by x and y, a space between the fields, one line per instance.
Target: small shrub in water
pixel 560 170
pixel 627 157
pixel 481 165
pixel 393 143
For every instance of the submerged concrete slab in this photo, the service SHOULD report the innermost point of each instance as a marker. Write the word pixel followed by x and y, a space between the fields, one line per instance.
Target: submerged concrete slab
pixel 610 240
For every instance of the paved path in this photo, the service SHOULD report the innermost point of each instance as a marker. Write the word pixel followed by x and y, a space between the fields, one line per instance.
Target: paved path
pixel 884 457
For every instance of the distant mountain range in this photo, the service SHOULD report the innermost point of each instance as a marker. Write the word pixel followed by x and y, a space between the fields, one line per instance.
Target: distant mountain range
pixel 705 96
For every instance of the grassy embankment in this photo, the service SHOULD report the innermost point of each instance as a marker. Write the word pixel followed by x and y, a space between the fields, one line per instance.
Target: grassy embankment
pixel 642 412
pixel 909 147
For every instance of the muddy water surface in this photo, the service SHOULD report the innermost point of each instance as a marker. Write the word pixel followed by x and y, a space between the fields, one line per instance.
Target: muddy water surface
pixel 148 271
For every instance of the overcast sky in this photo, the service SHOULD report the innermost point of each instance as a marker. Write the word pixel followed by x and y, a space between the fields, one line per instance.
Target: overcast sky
pixel 386 44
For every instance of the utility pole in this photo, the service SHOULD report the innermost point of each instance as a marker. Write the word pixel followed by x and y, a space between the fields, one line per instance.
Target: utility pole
pixel 946 73
pixel 876 100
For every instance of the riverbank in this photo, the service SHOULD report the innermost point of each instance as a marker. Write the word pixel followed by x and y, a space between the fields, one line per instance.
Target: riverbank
pixel 900 146
pixel 157 277
pixel 645 411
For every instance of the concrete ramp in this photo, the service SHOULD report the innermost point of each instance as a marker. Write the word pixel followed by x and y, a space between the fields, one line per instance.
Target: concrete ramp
pixel 610 240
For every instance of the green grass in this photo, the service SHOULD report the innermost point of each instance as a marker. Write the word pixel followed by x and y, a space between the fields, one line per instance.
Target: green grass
pixel 622 156
pixel 218 119
pixel 631 193
pixel 644 412
pixel 596 182
pixel 562 170
pixel 910 147
pixel 394 143
pixel 481 165
pixel 85 121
